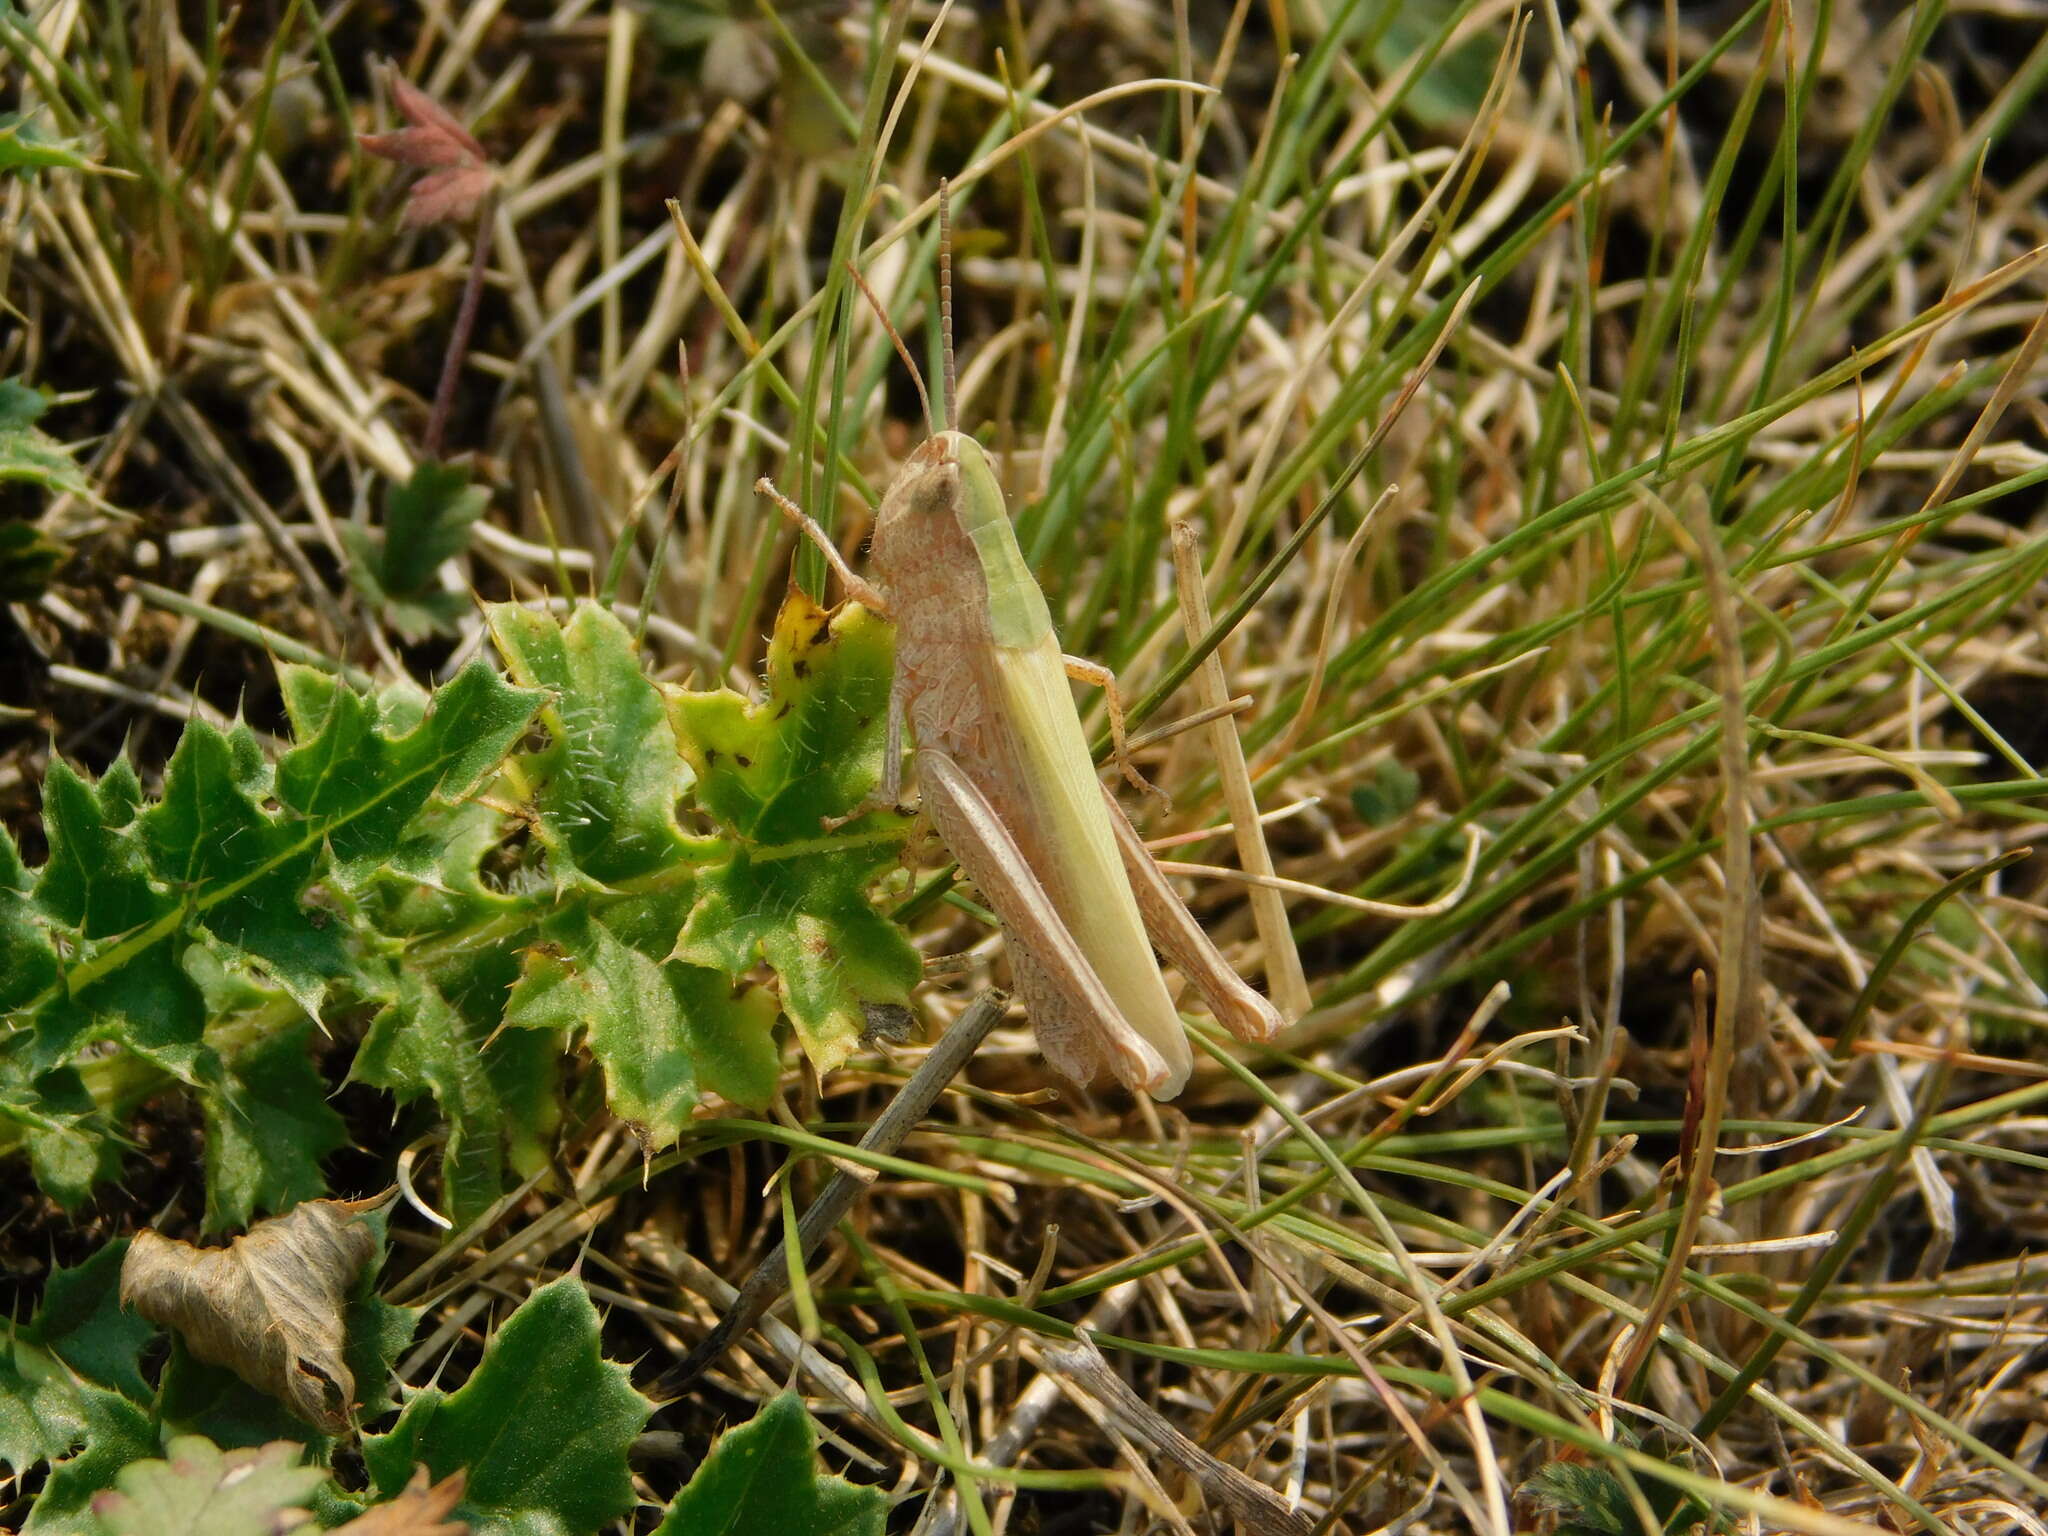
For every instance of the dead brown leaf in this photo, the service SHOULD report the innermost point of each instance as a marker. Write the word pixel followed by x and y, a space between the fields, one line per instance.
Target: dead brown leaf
pixel 419 1511
pixel 269 1306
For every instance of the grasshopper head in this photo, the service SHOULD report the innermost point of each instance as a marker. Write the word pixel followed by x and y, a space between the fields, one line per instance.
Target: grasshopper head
pixel 946 489
pixel 930 483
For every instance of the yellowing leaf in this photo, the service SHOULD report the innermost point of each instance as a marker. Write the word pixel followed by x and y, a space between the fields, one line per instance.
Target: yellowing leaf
pixel 772 769
pixel 791 893
pixel 269 1306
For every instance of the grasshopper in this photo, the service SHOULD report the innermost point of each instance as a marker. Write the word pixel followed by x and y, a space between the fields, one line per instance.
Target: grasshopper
pixel 1005 774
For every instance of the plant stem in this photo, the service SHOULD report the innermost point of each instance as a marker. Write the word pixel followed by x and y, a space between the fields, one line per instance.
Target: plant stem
pixel 465 324
pixel 912 1102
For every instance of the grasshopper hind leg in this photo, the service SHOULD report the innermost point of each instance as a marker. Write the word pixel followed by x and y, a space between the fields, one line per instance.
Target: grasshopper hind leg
pixel 1180 938
pixel 1062 1032
pixel 1079 1026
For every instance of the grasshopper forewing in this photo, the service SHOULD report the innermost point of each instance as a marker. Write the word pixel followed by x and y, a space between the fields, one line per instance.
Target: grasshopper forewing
pixel 1005 774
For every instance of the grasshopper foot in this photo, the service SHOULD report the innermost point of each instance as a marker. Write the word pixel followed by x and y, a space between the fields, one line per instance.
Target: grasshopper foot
pixel 867 807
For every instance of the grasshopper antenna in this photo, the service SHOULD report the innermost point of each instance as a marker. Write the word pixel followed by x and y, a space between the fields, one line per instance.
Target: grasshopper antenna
pixel 946 294
pixel 902 351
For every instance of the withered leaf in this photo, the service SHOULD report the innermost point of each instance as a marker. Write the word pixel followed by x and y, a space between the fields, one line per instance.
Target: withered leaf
pixel 419 1511
pixel 269 1306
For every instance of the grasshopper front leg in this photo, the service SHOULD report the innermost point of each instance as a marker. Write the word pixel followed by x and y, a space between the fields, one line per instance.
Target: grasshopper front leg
pixel 868 596
pixel 1072 1009
pixel 1173 928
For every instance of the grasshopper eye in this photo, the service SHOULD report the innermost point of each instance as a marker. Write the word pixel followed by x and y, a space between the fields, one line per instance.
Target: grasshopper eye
pixel 937 490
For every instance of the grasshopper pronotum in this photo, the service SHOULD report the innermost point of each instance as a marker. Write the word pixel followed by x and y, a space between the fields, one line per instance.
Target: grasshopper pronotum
pixel 1005 773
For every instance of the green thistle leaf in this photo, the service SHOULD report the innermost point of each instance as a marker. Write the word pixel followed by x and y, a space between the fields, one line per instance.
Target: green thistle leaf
pixel 359 787
pixel 82 1323
pixel 763 1476
pixel 268 1125
pixel 810 918
pixel 426 522
pixel 40 1415
pixel 136 887
pixel 96 880
pixel 208 834
pixel 97 884
pixel 422 1043
pixel 607 785
pixel 70 1146
pixel 114 1433
pixel 28 960
pixel 28 454
pixel 663 1033
pixel 543 1426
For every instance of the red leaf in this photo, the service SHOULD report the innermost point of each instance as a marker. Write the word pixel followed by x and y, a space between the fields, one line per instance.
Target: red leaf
pixel 415 146
pixel 451 195
pixel 426 113
pixel 462 175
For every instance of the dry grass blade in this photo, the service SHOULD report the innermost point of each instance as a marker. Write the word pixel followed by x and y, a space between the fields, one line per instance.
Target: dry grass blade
pixel 1734 1038
pixel 1285 982
pixel 1253 1506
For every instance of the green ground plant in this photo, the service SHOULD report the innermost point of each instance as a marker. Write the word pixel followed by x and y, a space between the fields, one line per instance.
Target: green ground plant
pixel 1589 459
